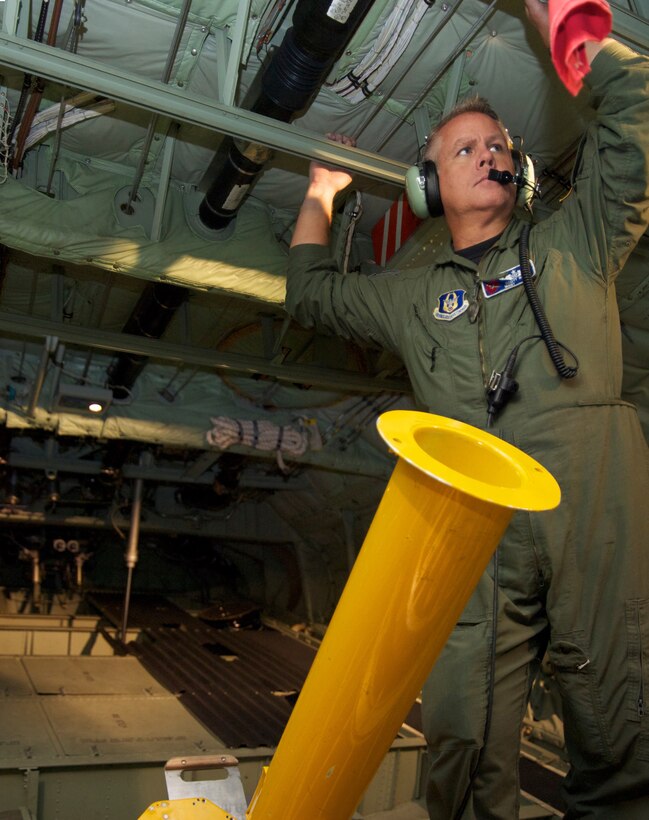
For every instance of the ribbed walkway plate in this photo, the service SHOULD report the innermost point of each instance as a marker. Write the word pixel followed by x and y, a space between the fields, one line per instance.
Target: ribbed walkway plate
pixel 240 683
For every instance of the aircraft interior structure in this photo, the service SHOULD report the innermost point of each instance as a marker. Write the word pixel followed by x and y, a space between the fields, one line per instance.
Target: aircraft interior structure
pixel 186 474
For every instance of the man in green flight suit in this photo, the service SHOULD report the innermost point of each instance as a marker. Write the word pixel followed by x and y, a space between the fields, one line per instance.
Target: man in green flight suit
pixel 574 581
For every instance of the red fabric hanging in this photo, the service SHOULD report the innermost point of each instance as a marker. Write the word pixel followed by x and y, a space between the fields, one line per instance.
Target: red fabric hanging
pixel 572 23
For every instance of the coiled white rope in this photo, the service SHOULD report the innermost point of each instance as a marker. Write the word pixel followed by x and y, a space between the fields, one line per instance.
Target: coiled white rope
pixel 264 435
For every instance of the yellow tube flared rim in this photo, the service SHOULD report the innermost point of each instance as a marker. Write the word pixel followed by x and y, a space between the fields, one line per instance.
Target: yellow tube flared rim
pixel 469 460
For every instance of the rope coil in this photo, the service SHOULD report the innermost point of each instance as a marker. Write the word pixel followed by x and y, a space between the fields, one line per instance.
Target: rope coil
pixel 264 435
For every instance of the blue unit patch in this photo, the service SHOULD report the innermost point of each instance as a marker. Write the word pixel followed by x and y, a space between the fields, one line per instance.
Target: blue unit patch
pixel 451 305
pixel 511 278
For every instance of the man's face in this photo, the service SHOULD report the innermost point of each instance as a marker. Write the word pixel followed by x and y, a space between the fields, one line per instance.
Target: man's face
pixel 466 149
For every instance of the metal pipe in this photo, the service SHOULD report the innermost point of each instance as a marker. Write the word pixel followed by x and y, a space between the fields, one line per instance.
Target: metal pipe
pixel 236 58
pixel 79 561
pixel 36 579
pixel 450 499
pixel 48 348
pixel 131 557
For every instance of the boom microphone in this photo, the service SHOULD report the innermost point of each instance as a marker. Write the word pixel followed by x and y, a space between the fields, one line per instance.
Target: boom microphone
pixel 504 177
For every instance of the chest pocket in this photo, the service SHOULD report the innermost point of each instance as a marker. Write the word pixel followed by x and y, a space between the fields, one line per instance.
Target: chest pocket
pixel 429 342
pixel 431 350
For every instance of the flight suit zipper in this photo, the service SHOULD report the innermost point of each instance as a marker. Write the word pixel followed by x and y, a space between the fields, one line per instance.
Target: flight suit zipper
pixel 475 315
pixel 641 662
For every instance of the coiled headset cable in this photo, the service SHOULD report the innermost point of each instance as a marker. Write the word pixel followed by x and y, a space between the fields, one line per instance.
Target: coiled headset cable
pixel 564 370
pixel 502 386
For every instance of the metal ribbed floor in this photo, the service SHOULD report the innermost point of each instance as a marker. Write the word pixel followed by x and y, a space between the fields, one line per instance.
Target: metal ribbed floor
pixel 240 683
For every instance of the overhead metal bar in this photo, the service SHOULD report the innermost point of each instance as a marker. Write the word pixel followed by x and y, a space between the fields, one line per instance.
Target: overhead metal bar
pixel 630 27
pixel 153 122
pixel 321 377
pixel 163 186
pixel 141 92
pixel 48 349
pixel 455 83
pixel 153 473
pixel 239 528
pixel 333 461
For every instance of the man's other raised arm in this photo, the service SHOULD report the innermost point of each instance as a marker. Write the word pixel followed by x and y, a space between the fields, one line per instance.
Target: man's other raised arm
pixel 537 13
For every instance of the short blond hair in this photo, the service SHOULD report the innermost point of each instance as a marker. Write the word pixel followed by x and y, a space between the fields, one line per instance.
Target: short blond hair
pixel 470 105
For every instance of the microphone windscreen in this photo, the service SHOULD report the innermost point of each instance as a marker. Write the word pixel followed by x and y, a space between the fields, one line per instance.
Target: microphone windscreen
pixel 504 177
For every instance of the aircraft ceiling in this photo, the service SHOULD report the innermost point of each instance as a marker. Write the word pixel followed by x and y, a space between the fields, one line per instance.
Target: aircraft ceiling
pixel 112 282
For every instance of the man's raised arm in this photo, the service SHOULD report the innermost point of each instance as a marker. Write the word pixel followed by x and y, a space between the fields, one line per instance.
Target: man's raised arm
pixel 314 220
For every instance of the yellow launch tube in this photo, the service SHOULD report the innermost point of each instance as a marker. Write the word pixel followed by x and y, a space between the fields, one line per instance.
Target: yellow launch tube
pixel 446 506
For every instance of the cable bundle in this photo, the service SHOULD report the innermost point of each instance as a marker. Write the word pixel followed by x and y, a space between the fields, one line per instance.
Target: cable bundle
pixel 264 435
pixel 5 118
pixel 390 44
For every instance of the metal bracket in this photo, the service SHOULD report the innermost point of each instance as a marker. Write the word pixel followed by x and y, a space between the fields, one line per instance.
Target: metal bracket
pixel 226 793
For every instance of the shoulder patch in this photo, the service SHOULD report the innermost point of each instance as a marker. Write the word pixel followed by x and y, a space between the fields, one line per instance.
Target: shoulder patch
pixel 450 305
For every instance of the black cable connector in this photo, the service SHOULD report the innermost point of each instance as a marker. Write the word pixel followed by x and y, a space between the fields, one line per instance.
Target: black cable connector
pixel 501 388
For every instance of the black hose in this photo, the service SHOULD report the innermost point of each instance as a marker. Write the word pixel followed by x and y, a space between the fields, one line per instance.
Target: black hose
pixel 290 82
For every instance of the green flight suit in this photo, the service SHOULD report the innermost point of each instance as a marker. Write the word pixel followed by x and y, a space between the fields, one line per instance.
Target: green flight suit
pixel 576 579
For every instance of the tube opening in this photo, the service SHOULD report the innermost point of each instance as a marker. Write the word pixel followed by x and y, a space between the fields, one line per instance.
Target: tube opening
pixel 469 457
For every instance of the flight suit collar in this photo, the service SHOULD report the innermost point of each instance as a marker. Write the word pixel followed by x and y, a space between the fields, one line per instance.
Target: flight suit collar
pixel 507 240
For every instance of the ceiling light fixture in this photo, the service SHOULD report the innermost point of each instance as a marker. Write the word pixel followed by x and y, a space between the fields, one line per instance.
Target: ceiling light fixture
pixel 79 398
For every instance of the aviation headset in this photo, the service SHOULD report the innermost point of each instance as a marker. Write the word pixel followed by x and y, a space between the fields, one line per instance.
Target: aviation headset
pixel 422 184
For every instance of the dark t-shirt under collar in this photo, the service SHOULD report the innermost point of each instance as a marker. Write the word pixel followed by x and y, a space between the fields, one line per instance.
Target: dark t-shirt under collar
pixel 474 253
